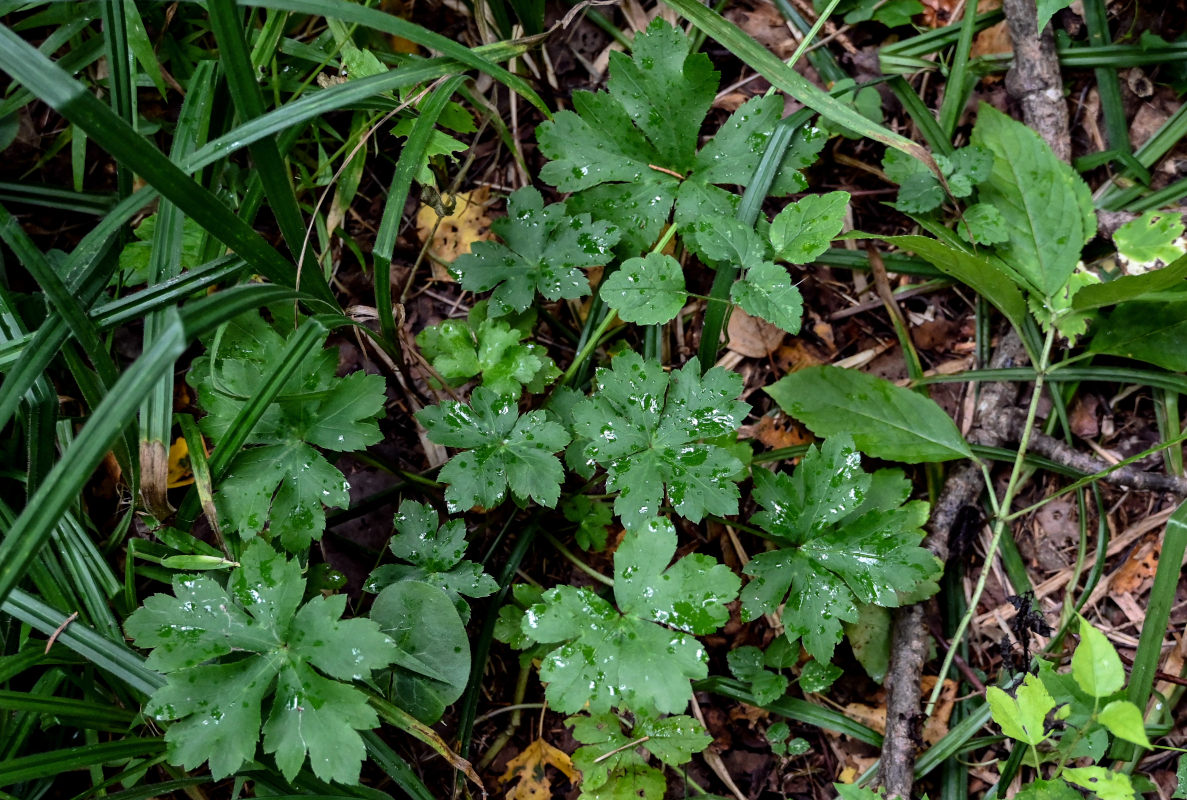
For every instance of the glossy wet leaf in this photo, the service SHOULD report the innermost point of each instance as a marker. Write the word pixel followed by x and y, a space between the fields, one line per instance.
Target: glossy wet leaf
pixel 621 151
pixel 432 662
pixel 299 656
pixel 647 290
pixel 1046 206
pixel 804 229
pixel 611 768
pixel 434 555
pixel 643 654
pixel 884 420
pixel 747 664
pixel 766 291
pixel 501 450
pixel 282 486
pixel 463 349
pixel 647 427
pixel 1022 717
pixel 818 676
pixel 843 545
pixel 543 249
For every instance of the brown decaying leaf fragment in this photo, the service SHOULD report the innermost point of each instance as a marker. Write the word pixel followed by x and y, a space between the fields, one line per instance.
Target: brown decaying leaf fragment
pixel 468 223
pixel 530 768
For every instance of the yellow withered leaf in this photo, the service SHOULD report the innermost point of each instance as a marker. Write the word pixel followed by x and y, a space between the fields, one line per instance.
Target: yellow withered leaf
pixel 531 769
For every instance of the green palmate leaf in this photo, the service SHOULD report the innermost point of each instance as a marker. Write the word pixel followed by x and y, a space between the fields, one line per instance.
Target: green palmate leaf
pixel 818 676
pixel 646 427
pixel 847 537
pixel 298 656
pixel 1095 664
pixel 1104 783
pixel 647 290
pixel 1124 720
pixel 432 664
pixel 627 658
pixel 1046 206
pixel 1023 716
pixel 611 767
pixel 1147 330
pixel 283 485
pixel 1150 237
pixel 631 154
pixel 1047 9
pixel 747 664
pixel 593 519
pixel 502 450
pixel 434 555
pixel 804 229
pixel 543 249
pixel 885 420
pixel 493 348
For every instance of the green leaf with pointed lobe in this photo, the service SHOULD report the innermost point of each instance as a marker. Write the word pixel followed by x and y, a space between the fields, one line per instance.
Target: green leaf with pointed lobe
pixel 805 229
pixel 299 658
pixel 1150 237
pixel 501 450
pixel 1046 206
pixel 543 249
pixel 842 545
pixel 884 420
pixel 627 658
pixel 647 428
pixel 647 290
pixel 1154 331
pixel 1022 717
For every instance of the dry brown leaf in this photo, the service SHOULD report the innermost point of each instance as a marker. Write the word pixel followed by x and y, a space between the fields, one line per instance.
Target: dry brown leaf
pixel 992 40
pixel 752 337
pixel 531 769
pixel 1136 574
pixel 468 223
pixel 937 725
pixel 764 22
pixel 777 432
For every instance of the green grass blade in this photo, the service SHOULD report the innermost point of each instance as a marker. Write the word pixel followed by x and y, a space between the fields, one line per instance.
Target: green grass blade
pixel 227 23
pixel 792 708
pixel 1107 83
pixel 141 46
pixel 31 529
pixel 1158 608
pixel 70 99
pixel 920 114
pixel 395 26
pixel 411 157
pixel 83 713
pixel 960 82
pixel 112 657
pixel 120 80
pixel 786 79
pixel 97 203
pixel 395 766
pixel 55 762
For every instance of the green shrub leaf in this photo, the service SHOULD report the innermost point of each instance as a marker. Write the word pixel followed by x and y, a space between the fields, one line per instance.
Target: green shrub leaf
pixel 885 420
pixel 647 290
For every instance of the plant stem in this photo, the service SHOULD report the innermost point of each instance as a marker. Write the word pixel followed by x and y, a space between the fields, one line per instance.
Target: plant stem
pixel 590 345
pixel 1000 522
pixel 577 562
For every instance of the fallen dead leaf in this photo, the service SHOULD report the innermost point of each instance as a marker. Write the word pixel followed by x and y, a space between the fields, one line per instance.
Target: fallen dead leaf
pixel 752 337
pixel 530 768
pixel 797 354
pixel 992 40
pixel 777 432
pixel 1135 575
pixel 937 725
pixel 1085 416
pixel 764 22
pixel 468 223
pixel 180 473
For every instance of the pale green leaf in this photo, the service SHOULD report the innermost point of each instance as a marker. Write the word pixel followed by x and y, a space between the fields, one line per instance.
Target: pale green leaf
pixel 1151 237
pixel 1106 784
pixel 1022 717
pixel 1095 664
pixel 1124 720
